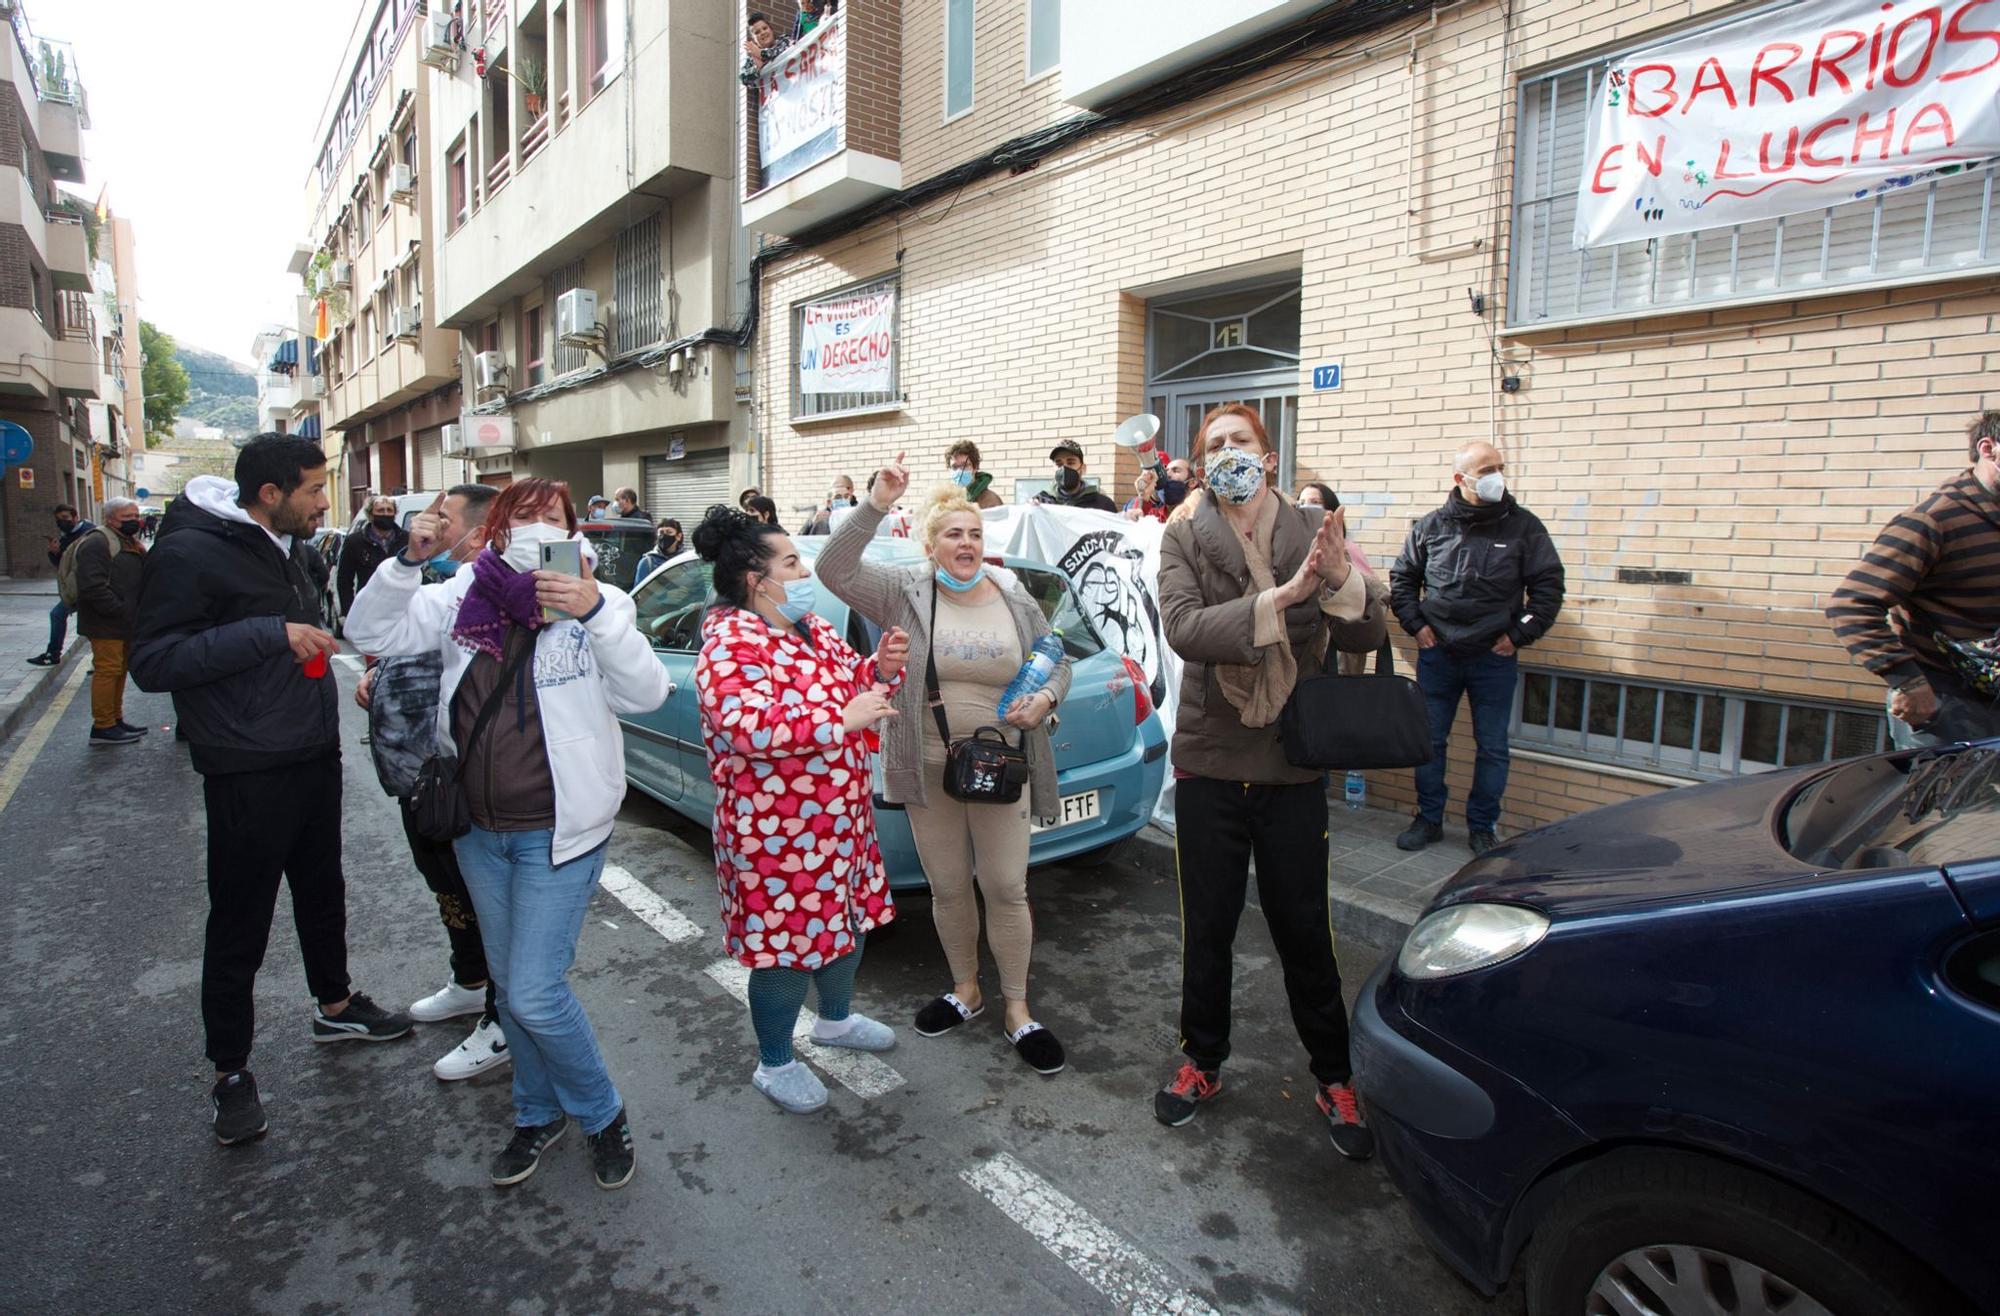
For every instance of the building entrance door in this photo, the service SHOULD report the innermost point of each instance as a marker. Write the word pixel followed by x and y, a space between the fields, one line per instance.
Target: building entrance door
pixel 1231 344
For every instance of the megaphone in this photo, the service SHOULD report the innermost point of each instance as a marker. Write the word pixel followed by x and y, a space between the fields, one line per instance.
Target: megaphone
pixel 1138 432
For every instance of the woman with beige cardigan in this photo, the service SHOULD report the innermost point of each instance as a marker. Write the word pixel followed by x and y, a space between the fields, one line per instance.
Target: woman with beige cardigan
pixel 978 624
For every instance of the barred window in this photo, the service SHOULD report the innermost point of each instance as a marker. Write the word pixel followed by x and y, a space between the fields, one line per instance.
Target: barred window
pixel 1939 230
pixel 566 358
pixel 1687 731
pixel 847 350
pixel 636 280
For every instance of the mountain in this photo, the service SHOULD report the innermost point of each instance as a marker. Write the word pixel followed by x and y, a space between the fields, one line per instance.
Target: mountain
pixel 220 392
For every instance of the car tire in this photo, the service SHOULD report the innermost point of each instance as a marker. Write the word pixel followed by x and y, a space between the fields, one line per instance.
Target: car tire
pixel 1646 1201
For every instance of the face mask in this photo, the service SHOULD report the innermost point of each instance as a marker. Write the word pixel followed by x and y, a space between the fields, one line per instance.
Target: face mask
pixel 524 545
pixel 669 543
pixel 962 478
pixel 1491 487
pixel 1173 492
pixel 384 523
pixel 799 599
pixel 64 525
pixel 444 564
pixel 131 527
pixel 1068 479
pixel 840 500
pixel 957 586
pixel 1235 476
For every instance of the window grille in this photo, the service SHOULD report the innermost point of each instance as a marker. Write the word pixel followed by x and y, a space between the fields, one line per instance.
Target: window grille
pixel 567 359
pixel 806 405
pixel 1910 235
pixel 1687 731
pixel 636 285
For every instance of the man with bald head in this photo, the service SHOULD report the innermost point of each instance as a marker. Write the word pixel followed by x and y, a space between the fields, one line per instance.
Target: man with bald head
pixel 1477 581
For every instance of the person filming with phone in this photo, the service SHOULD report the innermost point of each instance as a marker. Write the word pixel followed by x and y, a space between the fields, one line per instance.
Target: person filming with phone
pixel 539 659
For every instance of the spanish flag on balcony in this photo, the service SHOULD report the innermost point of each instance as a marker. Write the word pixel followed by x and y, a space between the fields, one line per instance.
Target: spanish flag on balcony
pixel 320 329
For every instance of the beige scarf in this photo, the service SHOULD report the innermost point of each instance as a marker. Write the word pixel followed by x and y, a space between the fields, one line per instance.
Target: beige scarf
pixel 1258 691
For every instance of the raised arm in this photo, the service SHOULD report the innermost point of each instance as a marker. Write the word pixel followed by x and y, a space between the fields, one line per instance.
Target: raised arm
pixel 874 591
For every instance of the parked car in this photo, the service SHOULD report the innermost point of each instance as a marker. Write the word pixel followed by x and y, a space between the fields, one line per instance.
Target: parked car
pixel 1728 1048
pixel 1110 747
pixel 620 542
pixel 328 541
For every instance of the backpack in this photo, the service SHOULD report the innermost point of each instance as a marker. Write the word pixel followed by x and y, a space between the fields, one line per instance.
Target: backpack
pixel 66 569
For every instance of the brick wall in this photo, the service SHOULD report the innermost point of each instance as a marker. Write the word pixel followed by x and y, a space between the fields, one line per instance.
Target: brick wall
pixel 1757 447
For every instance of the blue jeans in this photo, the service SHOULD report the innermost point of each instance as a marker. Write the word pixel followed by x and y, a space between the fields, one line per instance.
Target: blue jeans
pixel 58 627
pixel 530 913
pixel 1487 680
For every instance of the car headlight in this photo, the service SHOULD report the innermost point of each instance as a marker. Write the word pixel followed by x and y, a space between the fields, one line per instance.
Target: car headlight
pixel 1467 937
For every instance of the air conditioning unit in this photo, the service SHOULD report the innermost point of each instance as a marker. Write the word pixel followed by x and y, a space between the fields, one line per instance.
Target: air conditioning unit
pixel 453 444
pixel 576 316
pixel 489 370
pixel 440 42
pixel 405 322
pixel 315 386
pixel 343 274
pixel 402 183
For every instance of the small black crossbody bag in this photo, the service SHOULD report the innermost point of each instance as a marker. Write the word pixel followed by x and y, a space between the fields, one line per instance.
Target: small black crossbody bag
pixel 982 768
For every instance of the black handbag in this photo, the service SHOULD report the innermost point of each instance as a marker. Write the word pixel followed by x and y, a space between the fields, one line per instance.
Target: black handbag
pixel 1334 723
pixel 982 768
pixel 438 811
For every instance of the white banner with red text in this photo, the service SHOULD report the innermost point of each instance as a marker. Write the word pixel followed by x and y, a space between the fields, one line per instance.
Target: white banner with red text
pixel 802 102
pixel 847 344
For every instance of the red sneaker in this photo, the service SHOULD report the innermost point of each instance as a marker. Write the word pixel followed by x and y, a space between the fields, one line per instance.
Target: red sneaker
pixel 1174 1104
pixel 1349 1132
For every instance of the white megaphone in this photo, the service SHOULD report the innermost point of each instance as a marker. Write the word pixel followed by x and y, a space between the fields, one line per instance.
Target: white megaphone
pixel 1139 432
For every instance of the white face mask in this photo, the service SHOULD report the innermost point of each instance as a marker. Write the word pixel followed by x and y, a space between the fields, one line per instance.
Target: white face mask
pixel 1491 487
pixel 524 545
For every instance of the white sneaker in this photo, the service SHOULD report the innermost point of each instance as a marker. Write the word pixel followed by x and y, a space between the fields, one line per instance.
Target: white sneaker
pixel 450 1003
pixel 486 1049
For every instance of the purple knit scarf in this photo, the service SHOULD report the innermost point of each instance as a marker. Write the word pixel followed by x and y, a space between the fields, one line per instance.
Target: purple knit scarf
pixel 500 597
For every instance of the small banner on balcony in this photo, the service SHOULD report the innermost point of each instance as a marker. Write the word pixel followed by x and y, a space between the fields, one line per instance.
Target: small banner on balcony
pixel 802 102
pixel 848 344
pixel 1824 102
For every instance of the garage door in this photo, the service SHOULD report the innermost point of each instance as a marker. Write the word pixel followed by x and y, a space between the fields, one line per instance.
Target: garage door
pixel 430 460
pixel 686 488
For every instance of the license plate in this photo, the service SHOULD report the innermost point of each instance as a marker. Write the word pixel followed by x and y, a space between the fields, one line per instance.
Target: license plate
pixel 1075 809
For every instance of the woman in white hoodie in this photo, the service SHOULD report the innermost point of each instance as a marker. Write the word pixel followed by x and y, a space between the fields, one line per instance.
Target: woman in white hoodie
pixel 543 780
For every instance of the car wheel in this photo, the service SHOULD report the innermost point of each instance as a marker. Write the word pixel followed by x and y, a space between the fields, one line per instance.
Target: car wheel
pixel 1651 1231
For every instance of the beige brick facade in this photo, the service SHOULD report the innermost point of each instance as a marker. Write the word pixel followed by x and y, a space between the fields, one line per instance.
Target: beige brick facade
pixel 1757 447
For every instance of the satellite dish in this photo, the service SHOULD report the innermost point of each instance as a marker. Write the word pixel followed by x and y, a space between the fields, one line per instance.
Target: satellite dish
pixel 1138 432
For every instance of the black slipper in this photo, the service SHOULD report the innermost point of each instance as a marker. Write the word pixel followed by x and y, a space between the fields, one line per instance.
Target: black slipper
pixel 1038 1046
pixel 944 1014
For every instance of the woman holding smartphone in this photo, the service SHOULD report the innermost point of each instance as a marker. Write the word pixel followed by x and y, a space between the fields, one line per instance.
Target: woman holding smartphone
pixel 785 706
pixel 545 660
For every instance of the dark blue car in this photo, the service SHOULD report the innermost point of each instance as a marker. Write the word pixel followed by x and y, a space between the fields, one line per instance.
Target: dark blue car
pixel 1730 1048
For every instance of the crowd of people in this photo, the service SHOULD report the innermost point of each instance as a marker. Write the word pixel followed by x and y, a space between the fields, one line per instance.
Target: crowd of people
pixel 497 676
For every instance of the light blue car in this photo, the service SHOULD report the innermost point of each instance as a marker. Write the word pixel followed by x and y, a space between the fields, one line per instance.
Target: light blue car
pixel 1110 748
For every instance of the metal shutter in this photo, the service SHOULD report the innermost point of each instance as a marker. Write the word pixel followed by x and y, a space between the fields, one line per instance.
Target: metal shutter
pixel 686 488
pixel 430 460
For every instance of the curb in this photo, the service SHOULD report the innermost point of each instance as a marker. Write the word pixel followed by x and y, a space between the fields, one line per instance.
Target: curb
pixel 39 689
pixel 1372 920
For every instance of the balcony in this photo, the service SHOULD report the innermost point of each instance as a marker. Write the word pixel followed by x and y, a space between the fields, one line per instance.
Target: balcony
pixel 1112 48
pixel 824 139
pixel 68 250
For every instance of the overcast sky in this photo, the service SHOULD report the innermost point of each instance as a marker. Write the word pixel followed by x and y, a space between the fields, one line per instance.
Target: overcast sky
pixel 202 116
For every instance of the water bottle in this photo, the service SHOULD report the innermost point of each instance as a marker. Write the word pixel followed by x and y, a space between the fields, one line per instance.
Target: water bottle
pixel 1355 791
pixel 1034 673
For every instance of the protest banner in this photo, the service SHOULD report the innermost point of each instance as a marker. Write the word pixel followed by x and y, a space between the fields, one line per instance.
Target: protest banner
pixel 848 344
pixel 802 103
pixel 1789 111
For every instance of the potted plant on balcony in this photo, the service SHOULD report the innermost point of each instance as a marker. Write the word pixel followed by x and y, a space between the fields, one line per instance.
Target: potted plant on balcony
pixel 533 75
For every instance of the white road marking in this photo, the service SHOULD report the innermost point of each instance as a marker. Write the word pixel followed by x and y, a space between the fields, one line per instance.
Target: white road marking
pixel 31 745
pixel 643 901
pixel 353 662
pixel 860 1072
pixel 1122 1273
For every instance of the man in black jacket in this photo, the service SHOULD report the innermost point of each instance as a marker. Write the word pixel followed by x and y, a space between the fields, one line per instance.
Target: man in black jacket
pixel 229 623
pixel 108 571
pixel 1070 490
pixel 368 548
pixel 68 527
pixel 1477 581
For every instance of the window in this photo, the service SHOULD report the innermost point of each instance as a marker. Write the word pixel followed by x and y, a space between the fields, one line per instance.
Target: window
pixel 368 331
pixel 410 151
pixel 636 285
pixel 1910 235
pixel 533 370
pixel 670 604
pixel 570 276
pixel 844 350
pixel 489 337
pixel 364 218
pixel 458 196
pixel 382 191
pixel 957 57
pixel 600 40
pixel 1687 731
pixel 1044 37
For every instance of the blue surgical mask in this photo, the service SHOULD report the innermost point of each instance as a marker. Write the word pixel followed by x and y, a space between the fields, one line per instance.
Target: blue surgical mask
pixel 444 564
pixel 800 595
pixel 957 586
pixel 962 478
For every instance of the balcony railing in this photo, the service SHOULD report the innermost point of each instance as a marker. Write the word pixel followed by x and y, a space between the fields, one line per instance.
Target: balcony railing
pixel 496 14
pixel 497 176
pixel 562 110
pixel 535 138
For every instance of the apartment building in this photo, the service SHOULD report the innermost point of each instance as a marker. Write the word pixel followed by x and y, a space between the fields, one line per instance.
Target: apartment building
pixel 118 427
pixel 50 347
pixel 586 206
pixel 1047 216
pixel 384 383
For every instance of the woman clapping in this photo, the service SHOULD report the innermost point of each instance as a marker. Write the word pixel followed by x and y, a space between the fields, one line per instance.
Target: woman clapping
pixel 785 708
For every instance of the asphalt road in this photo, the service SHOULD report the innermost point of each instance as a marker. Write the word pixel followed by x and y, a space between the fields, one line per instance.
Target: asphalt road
pixel 953 1180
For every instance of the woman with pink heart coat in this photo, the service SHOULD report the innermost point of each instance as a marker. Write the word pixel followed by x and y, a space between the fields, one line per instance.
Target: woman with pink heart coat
pixel 786 705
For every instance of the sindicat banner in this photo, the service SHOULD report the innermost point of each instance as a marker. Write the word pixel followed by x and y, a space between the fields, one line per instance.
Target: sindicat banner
pixel 1813 105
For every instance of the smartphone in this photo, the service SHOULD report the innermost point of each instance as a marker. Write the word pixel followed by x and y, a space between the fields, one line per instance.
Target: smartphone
pixel 564 555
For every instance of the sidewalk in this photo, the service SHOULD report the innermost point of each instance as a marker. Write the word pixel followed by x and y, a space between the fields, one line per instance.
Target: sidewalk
pixel 24 632
pixel 1378 891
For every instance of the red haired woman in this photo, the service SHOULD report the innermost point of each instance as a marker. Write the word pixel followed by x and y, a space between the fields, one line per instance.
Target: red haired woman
pixel 530 707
